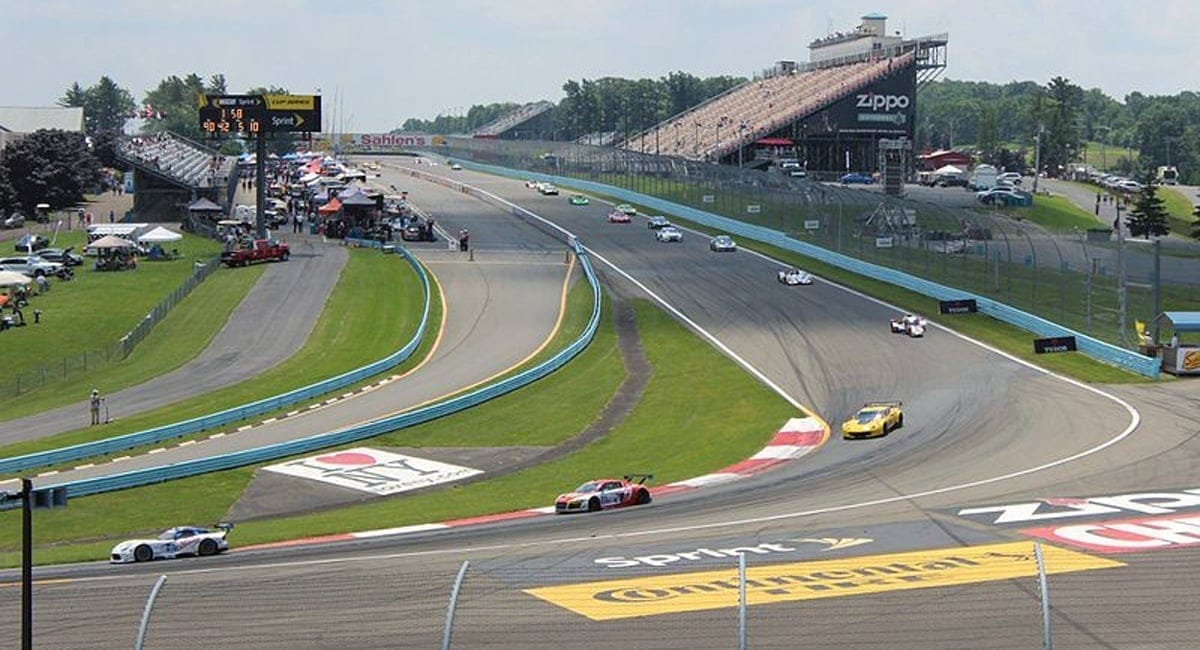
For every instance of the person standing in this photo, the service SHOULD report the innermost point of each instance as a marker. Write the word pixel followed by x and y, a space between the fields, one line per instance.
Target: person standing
pixel 94 404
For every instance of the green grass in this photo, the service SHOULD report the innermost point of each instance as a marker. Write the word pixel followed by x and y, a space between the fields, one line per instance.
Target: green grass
pixel 92 311
pixel 1180 210
pixel 1055 213
pixel 372 289
pixel 664 435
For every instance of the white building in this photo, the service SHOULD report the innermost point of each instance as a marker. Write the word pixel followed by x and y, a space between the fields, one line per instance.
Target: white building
pixel 868 36
pixel 19 121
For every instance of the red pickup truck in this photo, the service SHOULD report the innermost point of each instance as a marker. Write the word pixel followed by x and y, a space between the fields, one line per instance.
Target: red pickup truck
pixel 261 250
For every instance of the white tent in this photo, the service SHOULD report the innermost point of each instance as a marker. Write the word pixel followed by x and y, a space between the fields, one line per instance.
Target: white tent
pixel 159 235
pixel 948 170
pixel 10 278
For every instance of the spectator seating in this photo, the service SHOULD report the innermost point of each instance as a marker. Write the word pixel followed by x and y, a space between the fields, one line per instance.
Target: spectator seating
pixel 178 159
pixel 512 119
pixel 759 108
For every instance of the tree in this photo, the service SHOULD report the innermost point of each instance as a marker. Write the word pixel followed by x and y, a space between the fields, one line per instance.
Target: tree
pixel 1149 214
pixel 74 97
pixel 107 107
pixel 49 166
pixel 176 100
pixel 1196 223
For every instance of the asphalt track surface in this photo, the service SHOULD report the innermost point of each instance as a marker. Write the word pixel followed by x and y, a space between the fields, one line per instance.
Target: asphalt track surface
pixel 981 430
pixel 270 324
pixel 500 307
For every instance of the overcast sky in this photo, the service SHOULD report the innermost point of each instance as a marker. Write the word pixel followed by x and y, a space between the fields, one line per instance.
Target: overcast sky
pixel 390 60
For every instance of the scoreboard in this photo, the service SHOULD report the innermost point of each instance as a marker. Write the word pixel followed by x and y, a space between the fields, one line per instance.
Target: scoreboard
pixel 251 115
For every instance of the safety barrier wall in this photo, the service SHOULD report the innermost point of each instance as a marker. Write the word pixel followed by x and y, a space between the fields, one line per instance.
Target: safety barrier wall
pixel 174 430
pixel 352 434
pixel 1093 347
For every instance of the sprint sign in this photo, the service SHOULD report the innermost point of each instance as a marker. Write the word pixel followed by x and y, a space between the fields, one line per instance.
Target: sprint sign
pixel 374 471
pixel 1126 536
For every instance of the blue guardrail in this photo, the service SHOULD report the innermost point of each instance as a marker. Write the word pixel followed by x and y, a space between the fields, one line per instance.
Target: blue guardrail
pixel 277 451
pixel 1093 347
pixel 221 418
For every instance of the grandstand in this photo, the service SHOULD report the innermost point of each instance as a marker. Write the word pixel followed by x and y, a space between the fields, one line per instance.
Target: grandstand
pixel 532 121
pixel 170 171
pixel 859 87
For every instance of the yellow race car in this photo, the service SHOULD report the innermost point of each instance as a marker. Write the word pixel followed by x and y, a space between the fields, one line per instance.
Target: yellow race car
pixel 873 420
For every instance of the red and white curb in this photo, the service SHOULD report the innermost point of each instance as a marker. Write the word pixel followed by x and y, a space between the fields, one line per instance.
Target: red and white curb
pixel 797 438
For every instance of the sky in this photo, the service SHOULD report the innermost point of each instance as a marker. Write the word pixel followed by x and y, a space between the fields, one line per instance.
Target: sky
pixel 379 62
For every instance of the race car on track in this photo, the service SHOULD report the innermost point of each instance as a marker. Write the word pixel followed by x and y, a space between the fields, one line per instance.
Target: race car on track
pixel 579 199
pixel 627 209
pixel 793 277
pixel 173 543
pixel 911 325
pixel 618 217
pixel 548 189
pixel 606 493
pixel 722 244
pixel 532 184
pixel 668 234
pixel 873 420
pixel 657 222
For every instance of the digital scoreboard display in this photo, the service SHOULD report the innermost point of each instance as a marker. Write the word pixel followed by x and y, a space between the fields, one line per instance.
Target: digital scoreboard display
pixel 250 115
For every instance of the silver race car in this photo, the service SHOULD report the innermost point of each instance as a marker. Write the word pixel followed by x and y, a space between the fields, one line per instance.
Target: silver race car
pixel 792 277
pixel 722 244
pixel 173 543
pixel 668 234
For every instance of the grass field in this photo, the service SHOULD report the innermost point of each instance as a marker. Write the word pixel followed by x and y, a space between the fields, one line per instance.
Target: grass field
pixel 1181 211
pixel 90 313
pixel 1054 213
pixel 372 289
pixel 678 439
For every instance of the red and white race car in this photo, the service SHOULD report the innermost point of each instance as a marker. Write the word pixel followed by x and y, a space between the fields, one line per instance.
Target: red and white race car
pixel 618 217
pixel 911 325
pixel 602 494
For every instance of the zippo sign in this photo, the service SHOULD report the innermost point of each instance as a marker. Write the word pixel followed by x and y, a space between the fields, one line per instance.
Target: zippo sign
pixel 374 471
pixel 887 106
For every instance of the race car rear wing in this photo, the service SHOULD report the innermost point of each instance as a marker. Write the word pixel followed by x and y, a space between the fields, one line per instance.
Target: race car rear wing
pixel 225 526
pixel 640 479
pixel 888 403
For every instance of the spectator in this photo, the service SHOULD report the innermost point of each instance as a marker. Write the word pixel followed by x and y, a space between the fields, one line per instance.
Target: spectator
pixel 94 406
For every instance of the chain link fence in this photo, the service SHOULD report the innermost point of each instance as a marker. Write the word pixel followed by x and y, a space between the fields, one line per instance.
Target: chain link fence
pixel 1070 277
pixel 96 358
pixel 989 596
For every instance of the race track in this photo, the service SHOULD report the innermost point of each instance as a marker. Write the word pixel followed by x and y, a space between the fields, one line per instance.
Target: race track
pixel 981 431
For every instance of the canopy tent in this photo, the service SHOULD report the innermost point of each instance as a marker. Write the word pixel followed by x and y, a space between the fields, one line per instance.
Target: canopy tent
pixel 356 199
pixel 1180 321
pixel 330 208
pixel 11 278
pixel 947 170
pixel 160 235
pixel 109 242
pixel 203 205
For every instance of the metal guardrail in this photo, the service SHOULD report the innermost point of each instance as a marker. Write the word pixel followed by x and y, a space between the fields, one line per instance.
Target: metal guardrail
pixel 355 433
pixel 265 405
pixel 1093 347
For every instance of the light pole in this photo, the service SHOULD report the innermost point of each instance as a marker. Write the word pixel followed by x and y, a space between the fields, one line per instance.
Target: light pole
pixel 741 141
pixel 696 141
pixel 1037 157
pixel 1121 277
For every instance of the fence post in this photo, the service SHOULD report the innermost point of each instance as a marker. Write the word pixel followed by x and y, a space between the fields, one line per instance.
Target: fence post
pixel 1044 594
pixel 141 633
pixel 446 632
pixel 741 601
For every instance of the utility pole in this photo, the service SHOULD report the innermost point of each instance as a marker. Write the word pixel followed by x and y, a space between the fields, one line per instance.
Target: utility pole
pixel 1121 279
pixel 1037 155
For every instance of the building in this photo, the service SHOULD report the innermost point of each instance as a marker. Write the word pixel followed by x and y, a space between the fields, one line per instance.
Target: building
pixel 18 121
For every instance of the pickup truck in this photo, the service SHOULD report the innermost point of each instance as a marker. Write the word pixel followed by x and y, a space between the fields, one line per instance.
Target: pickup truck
pixel 260 250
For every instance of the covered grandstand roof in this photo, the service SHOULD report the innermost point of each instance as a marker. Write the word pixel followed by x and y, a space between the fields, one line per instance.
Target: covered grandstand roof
pixel 27 119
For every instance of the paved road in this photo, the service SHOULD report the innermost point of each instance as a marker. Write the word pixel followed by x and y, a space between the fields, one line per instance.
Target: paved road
pixel 973 414
pixel 500 307
pixel 271 323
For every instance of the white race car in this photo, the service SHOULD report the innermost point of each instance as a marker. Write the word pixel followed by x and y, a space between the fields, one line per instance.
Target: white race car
pixel 911 325
pixel 173 543
pixel 668 234
pixel 792 277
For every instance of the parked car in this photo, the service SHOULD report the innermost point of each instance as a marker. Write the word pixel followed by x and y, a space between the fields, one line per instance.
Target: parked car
pixel 30 243
pixel 65 256
pixel 32 265
pixel 13 220
pixel 856 178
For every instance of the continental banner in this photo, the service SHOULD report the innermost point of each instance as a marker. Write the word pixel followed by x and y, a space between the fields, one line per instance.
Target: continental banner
pixel 797 581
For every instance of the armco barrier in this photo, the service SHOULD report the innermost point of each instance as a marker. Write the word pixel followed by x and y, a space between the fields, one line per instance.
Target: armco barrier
pixel 1106 352
pixel 359 432
pixel 174 430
